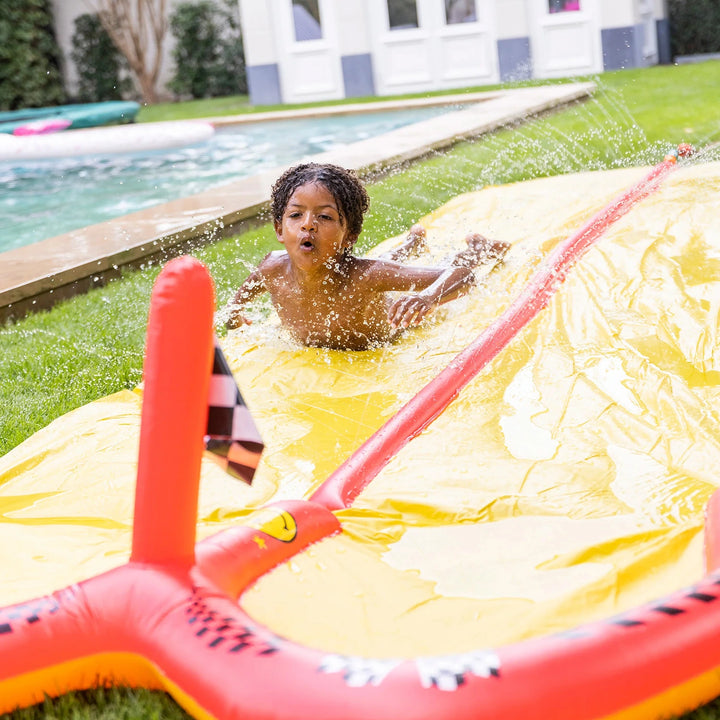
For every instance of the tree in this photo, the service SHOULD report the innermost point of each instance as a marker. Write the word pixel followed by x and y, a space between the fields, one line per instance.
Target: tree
pixel 29 56
pixel 196 48
pixel 208 52
pixel 137 28
pixel 694 26
pixel 99 64
pixel 230 74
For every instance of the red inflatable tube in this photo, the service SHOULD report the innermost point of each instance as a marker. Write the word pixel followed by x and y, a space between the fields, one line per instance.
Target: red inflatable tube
pixel 178 361
pixel 109 629
pixel 344 485
pixel 169 618
pixel 712 533
pixel 170 627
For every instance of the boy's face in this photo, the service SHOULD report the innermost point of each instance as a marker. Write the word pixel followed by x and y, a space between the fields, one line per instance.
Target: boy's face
pixel 312 229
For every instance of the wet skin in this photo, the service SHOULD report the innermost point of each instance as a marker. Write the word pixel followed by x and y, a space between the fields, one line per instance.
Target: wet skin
pixel 327 297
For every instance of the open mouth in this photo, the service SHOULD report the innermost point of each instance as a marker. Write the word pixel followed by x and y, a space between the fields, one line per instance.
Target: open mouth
pixel 307 244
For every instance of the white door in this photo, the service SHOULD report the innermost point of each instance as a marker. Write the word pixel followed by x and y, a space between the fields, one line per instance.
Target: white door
pixel 565 37
pixel 465 42
pixel 309 61
pixel 647 21
pixel 421 45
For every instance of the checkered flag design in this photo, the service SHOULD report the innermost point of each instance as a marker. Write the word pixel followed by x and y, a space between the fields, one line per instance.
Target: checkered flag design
pixel 231 436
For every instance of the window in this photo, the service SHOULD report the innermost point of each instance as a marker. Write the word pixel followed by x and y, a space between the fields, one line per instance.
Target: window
pixel 306 18
pixel 459 11
pixel 556 6
pixel 402 14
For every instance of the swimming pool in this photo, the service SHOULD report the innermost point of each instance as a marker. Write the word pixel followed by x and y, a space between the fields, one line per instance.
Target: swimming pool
pixel 41 199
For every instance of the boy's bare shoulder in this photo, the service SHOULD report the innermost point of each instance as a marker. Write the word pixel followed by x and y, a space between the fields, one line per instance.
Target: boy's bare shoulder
pixel 274 262
pixel 275 256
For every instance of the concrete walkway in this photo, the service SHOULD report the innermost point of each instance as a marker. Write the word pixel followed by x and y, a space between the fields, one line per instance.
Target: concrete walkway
pixel 36 276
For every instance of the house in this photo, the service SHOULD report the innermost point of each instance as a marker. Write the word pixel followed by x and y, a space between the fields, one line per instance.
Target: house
pixel 313 50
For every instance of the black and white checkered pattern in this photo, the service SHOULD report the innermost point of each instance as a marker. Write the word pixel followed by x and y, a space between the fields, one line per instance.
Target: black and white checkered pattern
pixel 231 434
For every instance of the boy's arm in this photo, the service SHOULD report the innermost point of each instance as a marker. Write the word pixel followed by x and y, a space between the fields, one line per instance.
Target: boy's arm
pixel 430 287
pixel 253 286
pixel 412 309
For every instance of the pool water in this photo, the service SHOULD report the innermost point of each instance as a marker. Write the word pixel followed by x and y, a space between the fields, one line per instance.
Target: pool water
pixel 41 199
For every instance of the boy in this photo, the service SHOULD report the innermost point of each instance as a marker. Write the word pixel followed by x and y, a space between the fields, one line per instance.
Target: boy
pixel 327 297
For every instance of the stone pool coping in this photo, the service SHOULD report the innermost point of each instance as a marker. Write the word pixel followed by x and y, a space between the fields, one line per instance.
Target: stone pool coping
pixel 38 275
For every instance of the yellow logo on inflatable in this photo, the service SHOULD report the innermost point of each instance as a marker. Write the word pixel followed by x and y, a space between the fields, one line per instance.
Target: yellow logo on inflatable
pixel 275 522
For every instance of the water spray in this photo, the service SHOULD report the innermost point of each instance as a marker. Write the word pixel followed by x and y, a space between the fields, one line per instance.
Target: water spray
pixel 343 486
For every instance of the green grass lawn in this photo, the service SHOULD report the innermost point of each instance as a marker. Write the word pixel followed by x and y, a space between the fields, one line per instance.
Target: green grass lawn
pixel 92 345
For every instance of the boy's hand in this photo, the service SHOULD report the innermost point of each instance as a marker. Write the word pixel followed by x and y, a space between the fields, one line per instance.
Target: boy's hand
pixel 409 310
pixel 236 319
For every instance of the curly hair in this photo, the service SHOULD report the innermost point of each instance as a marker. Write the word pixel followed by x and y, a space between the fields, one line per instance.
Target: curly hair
pixel 343 184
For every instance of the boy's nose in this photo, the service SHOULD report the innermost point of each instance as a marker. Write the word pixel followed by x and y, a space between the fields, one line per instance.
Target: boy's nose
pixel 309 221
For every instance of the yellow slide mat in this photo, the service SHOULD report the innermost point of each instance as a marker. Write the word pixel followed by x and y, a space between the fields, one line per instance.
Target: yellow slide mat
pixel 566 483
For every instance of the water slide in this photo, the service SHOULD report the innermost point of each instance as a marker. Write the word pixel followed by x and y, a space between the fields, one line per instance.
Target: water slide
pixel 534 537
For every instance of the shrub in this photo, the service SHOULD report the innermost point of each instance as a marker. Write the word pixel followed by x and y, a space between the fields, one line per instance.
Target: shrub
pixel 208 50
pixel 100 65
pixel 230 78
pixel 694 26
pixel 30 73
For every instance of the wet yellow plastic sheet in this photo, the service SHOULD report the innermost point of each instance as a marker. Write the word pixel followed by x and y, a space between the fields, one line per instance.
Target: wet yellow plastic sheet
pixel 566 483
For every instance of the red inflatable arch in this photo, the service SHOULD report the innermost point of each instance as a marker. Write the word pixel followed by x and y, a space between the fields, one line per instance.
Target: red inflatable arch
pixel 169 619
